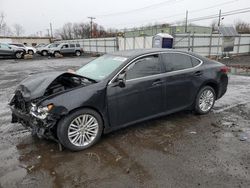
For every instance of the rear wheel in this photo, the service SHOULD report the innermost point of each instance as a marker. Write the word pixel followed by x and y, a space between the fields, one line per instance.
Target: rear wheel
pixel 78 53
pixel 205 100
pixel 44 53
pixel 80 129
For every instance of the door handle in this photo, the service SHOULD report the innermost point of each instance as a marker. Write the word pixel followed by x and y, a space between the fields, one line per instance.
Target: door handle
pixel 157 82
pixel 198 73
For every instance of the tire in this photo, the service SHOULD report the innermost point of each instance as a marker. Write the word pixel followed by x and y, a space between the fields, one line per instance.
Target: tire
pixel 30 52
pixel 18 55
pixel 44 53
pixel 70 129
pixel 205 99
pixel 78 53
pixel 56 54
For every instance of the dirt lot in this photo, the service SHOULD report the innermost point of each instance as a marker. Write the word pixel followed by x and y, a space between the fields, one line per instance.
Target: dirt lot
pixel 180 150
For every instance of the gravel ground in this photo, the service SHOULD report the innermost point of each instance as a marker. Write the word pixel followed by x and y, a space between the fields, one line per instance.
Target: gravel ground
pixel 179 150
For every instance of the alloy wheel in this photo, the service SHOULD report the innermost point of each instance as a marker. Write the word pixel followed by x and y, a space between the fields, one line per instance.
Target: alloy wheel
pixel 206 100
pixel 83 130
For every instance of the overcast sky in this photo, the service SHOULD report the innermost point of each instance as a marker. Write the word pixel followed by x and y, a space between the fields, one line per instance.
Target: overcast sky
pixel 36 15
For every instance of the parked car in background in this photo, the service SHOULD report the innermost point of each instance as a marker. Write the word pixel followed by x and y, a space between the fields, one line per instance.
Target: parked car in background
pixel 114 91
pixel 44 50
pixel 67 49
pixel 12 51
pixel 40 45
pixel 28 49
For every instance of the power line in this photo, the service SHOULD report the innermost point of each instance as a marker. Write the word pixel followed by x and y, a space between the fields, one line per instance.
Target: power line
pixel 142 8
pixel 181 14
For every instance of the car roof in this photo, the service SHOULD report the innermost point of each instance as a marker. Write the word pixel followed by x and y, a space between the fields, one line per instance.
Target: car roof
pixel 138 52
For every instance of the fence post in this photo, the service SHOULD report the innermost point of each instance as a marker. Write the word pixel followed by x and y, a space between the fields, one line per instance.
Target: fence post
pixel 238 49
pixel 124 43
pixel 105 50
pixel 89 46
pixel 96 46
pixel 133 42
pixel 210 45
pixel 192 42
pixel 189 41
pixel 117 43
pixel 144 42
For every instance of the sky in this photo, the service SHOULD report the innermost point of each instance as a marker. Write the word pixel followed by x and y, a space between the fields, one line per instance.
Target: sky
pixel 35 16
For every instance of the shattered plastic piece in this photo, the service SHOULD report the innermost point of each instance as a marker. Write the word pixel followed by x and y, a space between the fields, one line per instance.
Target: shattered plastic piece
pixel 118 158
pixel 29 168
pixel 39 157
pixel 193 132
pixel 243 137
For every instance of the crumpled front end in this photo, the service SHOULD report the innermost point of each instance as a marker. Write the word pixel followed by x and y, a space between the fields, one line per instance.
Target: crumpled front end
pixel 40 123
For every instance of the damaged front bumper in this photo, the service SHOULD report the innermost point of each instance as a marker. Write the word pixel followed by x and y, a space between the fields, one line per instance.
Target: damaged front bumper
pixel 43 128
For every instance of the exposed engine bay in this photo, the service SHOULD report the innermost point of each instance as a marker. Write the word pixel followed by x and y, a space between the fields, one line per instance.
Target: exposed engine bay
pixel 66 82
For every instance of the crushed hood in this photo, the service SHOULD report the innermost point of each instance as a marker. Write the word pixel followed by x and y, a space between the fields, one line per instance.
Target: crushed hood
pixel 35 85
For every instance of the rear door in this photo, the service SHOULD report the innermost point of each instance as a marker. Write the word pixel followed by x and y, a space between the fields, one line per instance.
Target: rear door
pixel 181 88
pixel 142 95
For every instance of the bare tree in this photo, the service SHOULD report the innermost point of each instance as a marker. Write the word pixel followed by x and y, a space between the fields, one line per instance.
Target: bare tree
pixel 242 27
pixel 18 30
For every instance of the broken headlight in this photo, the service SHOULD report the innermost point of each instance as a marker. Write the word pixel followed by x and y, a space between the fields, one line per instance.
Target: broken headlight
pixel 40 112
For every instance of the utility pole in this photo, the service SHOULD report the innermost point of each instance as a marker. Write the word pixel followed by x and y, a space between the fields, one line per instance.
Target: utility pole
pixel 186 21
pixel 219 18
pixel 1 21
pixel 48 32
pixel 51 32
pixel 91 24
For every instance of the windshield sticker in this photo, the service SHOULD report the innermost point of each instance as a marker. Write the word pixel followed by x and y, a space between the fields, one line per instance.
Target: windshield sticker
pixel 120 58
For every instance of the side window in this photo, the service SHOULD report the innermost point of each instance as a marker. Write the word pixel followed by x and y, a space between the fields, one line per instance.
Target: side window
pixel 65 46
pixel 145 66
pixel 5 46
pixel 195 61
pixel 77 45
pixel 176 61
pixel 71 45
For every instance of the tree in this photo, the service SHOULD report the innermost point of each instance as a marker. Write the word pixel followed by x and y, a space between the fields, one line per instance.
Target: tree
pixel 242 27
pixel 18 30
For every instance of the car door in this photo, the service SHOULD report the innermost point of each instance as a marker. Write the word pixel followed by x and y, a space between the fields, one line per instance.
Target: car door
pixel 180 88
pixel 65 49
pixel 142 95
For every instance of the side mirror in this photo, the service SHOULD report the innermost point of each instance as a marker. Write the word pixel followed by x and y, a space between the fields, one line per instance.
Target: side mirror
pixel 121 80
pixel 10 47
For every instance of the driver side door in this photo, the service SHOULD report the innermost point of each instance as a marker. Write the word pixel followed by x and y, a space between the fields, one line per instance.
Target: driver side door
pixel 142 95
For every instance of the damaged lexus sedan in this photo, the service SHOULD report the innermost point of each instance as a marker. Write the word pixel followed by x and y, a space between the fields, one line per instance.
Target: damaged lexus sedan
pixel 114 91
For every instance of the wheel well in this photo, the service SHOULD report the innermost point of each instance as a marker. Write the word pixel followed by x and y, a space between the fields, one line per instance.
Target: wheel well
pixel 214 86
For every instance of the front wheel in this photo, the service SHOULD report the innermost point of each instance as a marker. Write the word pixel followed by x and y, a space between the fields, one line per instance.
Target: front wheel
pixel 80 129
pixel 30 52
pixel 19 55
pixel 205 100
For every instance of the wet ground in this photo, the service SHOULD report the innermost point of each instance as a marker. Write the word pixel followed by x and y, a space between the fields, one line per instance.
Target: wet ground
pixel 180 150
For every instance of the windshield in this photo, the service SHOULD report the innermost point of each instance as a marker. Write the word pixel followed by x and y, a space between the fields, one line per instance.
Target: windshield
pixel 52 45
pixel 101 67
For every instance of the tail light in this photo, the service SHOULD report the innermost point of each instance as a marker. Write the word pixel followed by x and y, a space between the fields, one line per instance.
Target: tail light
pixel 224 69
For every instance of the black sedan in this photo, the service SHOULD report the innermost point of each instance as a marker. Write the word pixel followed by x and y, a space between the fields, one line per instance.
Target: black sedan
pixel 114 91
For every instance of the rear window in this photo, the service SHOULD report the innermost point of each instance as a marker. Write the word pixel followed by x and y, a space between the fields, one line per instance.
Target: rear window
pixel 195 61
